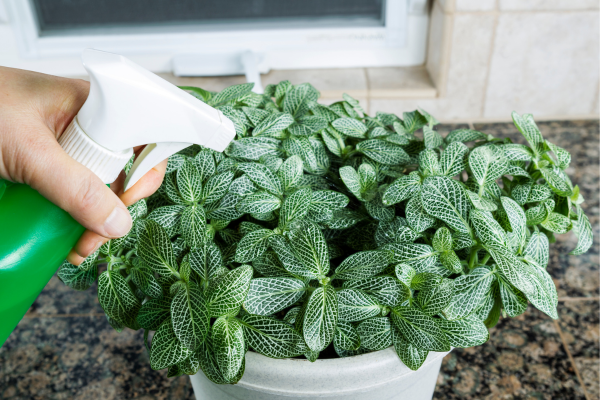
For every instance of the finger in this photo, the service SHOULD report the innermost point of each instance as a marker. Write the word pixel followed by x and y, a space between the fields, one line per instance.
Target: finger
pixel 74 188
pixel 148 184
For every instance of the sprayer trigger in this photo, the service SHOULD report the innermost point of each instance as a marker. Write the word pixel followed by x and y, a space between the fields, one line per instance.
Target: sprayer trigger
pixel 152 155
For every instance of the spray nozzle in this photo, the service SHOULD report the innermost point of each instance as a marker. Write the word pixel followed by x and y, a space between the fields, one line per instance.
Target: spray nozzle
pixel 129 106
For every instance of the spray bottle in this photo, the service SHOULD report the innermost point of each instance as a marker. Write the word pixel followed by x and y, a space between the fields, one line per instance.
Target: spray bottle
pixel 127 106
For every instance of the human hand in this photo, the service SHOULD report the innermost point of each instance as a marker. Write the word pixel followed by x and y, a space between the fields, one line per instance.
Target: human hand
pixel 35 109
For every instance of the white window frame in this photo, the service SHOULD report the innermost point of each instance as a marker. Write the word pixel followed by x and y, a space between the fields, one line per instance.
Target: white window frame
pixel 401 42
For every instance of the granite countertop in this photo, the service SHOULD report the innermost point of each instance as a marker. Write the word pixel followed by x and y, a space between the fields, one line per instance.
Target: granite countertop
pixel 65 349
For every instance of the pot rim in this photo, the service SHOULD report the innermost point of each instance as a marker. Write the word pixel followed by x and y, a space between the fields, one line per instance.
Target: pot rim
pixel 334 376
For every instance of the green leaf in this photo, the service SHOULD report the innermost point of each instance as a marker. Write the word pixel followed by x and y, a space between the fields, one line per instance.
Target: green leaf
pixel 563 157
pixel 228 346
pixel 193 226
pixel 375 333
pixel 383 152
pixel 412 356
pixel 386 290
pixel 464 333
pixel 153 313
pixel 291 172
pixel 529 129
pixel 262 177
pixel 465 135
pixel 416 216
pixel 363 264
pixel 309 247
pixel 419 329
pixel 217 186
pixel 260 202
pixel 355 305
pixel 583 230
pixel 155 248
pixel 442 240
pixel 429 163
pixel 282 248
pixel 469 291
pixel 252 245
pixel 190 316
pixel 327 199
pixel 543 295
pixel 350 127
pixel 204 163
pixel 558 181
pixel 435 296
pixel 273 124
pixel 413 121
pixel 166 348
pixel 82 277
pixel 487 164
pixel 557 223
pixel 199 93
pixel 272 338
pixel 512 269
pixel 143 277
pixel 403 188
pixel 295 206
pixel 169 217
pixel 298 100
pixel 308 125
pixel 242 186
pixel 538 248
pixel 346 336
pixel 268 296
pixel 445 199
pixel 231 93
pixel 514 301
pixel 253 148
pixel 206 261
pixel 320 318
pixel 431 138
pixel 117 299
pixel 481 202
pixel 189 183
pixel 207 359
pixel 419 256
pixel 226 294
pixel 227 208
pixel 453 159
pixel 487 228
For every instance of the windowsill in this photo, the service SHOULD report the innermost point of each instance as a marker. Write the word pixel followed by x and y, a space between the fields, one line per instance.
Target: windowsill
pixel 361 83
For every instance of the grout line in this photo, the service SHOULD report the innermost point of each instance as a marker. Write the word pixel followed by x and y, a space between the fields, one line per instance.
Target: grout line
pixel 479 12
pixel 567 299
pixel 564 343
pixel 471 126
pixel 63 315
pixel 368 90
pixel 489 60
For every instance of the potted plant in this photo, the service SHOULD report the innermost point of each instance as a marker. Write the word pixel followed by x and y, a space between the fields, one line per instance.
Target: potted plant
pixel 373 244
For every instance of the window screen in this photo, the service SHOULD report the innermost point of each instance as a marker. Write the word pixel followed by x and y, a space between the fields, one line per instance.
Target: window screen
pixel 61 15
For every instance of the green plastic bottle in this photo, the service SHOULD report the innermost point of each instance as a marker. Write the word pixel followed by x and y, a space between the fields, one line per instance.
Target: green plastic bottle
pixel 35 238
pixel 127 106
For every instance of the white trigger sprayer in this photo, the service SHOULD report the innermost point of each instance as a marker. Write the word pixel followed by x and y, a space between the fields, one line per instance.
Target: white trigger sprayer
pixel 129 106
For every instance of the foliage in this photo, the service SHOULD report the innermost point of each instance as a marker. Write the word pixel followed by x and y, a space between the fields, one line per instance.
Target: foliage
pixel 323 227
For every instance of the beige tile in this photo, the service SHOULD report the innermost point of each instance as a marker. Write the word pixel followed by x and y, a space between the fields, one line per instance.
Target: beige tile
pixel 475 5
pixel 438 46
pixel 548 4
pixel 544 64
pixel 470 50
pixel 400 82
pixel 363 101
pixel 447 5
pixel 332 83
pixel 212 83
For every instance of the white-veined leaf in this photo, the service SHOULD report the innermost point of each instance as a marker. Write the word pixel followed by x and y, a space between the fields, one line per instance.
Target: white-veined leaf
pixel 355 305
pixel 469 291
pixel 445 199
pixel 375 333
pixel 190 316
pixel 155 248
pixel 383 152
pixel 464 333
pixel 363 264
pixel 419 329
pixel 226 294
pixel 272 338
pixel 453 161
pixel 252 245
pixel 295 206
pixel 320 318
pixel 346 337
pixel 268 296
pixel 387 290
pixel 309 247
pixel 193 226
pixel 262 177
pixel 583 230
pixel 403 188
pixel 166 348
pixel 228 345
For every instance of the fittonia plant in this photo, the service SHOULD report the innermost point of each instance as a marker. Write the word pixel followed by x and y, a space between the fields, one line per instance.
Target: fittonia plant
pixel 322 227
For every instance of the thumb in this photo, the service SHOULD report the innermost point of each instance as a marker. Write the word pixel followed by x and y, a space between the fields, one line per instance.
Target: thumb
pixel 77 190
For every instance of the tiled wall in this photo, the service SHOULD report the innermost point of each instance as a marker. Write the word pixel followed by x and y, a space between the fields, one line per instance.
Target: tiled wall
pixel 490 57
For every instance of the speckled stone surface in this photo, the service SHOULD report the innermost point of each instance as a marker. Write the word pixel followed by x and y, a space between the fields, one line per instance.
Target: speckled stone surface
pixel 65 349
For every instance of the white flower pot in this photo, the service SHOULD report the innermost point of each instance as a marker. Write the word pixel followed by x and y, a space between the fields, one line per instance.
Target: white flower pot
pixel 379 375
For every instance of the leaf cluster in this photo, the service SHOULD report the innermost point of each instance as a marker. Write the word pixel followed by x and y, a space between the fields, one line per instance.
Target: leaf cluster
pixel 324 229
